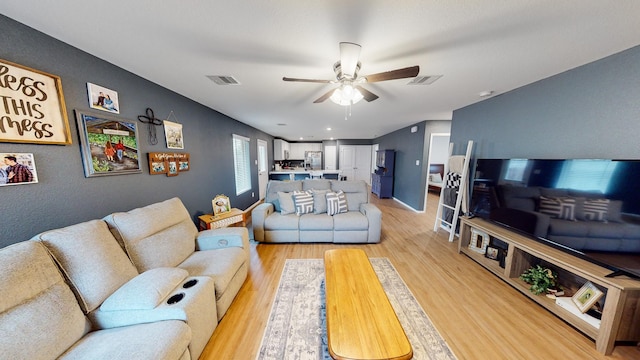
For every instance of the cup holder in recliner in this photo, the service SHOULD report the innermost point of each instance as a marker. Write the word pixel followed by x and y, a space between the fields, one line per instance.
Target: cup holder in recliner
pixel 175 298
pixel 190 283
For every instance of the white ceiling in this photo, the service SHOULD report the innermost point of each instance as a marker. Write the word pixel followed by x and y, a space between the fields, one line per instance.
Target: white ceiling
pixel 477 45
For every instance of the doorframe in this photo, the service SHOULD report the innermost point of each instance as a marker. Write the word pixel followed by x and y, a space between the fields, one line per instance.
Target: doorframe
pixel 262 185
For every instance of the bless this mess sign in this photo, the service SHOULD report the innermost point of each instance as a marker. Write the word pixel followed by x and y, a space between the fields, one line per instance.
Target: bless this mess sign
pixel 32 106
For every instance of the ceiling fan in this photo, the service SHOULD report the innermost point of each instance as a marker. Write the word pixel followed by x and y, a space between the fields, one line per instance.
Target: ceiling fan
pixel 350 90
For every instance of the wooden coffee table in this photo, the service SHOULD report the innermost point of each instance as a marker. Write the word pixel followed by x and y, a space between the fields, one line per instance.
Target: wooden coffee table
pixel 361 324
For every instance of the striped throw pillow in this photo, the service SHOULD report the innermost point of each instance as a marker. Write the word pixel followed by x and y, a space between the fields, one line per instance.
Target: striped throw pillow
pixel 303 201
pixel 596 209
pixel 560 208
pixel 336 203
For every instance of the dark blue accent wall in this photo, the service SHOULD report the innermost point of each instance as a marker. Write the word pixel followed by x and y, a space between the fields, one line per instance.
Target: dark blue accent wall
pixel 64 196
pixel 409 185
pixel 592 111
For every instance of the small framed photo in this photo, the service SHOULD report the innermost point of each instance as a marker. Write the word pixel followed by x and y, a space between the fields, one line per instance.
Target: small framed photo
pixel 492 253
pixel 220 205
pixel 17 169
pixel 172 167
pixel 479 241
pixel 104 99
pixel 588 295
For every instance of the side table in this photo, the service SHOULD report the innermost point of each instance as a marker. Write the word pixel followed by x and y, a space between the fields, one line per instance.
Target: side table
pixel 234 216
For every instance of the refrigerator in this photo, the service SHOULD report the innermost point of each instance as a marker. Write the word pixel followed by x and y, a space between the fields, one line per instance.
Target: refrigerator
pixel 313 160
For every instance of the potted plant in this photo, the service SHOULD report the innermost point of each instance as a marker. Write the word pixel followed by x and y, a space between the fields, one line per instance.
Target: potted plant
pixel 541 279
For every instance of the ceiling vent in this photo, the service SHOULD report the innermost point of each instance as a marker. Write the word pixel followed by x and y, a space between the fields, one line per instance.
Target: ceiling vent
pixel 424 80
pixel 223 80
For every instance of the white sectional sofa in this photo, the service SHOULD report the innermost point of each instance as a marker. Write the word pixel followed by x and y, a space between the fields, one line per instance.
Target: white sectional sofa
pixel 137 285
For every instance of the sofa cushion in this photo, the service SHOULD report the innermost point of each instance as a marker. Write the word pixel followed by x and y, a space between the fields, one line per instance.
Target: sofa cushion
pixel 316 184
pixel 39 315
pixel 277 221
pixel 356 191
pixel 336 203
pixel 319 201
pixel 274 186
pixel 303 201
pixel 162 340
pixel 350 221
pixel 287 204
pixel 316 222
pixel 559 208
pixel 158 235
pixel 146 290
pixel 221 265
pixel 91 259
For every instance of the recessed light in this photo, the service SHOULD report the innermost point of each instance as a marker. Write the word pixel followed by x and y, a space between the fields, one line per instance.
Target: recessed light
pixel 301 138
pixel 328 129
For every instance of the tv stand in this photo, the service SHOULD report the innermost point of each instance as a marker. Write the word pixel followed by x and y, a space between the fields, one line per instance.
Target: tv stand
pixel 619 321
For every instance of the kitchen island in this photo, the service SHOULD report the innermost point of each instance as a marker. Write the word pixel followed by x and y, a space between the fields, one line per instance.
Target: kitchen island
pixel 300 174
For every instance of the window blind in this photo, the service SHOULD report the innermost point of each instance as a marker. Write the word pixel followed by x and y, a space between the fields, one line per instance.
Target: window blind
pixel 241 163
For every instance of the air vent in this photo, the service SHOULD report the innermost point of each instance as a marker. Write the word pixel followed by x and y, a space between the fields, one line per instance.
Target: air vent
pixel 223 80
pixel 424 80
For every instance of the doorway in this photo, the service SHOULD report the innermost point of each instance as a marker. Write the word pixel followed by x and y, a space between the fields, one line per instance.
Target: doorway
pixel 263 169
pixel 438 155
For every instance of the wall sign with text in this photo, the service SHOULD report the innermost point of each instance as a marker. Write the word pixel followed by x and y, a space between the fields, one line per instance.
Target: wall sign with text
pixel 32 108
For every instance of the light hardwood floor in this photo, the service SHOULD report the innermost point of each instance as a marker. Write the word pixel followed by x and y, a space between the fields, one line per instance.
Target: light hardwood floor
pixel 479 315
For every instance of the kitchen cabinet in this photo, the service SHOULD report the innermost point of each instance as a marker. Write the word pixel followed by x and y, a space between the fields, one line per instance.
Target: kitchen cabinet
pixel 281 150
pixel 297 150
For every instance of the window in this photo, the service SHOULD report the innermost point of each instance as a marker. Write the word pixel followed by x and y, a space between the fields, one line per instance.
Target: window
pixel 589 175
pixel 241 163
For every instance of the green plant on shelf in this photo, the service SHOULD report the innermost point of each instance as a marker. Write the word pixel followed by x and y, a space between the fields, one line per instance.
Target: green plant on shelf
pixel 541 279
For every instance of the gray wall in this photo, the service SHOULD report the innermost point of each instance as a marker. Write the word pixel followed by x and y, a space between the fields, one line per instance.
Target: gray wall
pixel 592 111
pixel 409 185
pixel 63 195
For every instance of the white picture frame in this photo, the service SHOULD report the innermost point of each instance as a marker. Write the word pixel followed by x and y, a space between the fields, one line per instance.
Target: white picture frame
pixel 104 99
pixel 586 297
pixel 27 169
pixel 173 135
pixel 479 241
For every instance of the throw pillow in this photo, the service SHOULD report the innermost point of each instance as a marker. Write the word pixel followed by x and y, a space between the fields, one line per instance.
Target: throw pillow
pixel 319 201
pixel 596 209
pixel 336 203
pixel 286 203
pixel 303 201
pixel 559 208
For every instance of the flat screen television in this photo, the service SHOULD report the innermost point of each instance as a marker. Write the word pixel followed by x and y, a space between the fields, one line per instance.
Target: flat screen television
pixel 588 207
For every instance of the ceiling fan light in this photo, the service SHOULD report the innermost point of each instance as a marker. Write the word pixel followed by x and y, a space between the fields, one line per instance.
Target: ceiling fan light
pixel 346 95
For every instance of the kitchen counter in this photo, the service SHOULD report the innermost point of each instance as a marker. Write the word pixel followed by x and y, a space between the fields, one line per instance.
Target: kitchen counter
pixel 300 174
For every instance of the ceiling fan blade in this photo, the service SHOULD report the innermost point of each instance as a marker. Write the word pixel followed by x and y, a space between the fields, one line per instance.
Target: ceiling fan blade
pixel 307 80
pixel 349 57
pixel 324 97
pixel 407 72
pixel 366 94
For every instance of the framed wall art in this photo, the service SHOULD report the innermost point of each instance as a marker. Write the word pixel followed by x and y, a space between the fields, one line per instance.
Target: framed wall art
pixel 173 135
pixel 109 145
pixel 34 110
pixel 17 169
pixel 104 99
pixel 168 163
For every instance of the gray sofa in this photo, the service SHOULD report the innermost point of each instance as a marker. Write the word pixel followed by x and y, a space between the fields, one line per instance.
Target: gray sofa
pixel 137 285
pixel 360 223
pixel 604 229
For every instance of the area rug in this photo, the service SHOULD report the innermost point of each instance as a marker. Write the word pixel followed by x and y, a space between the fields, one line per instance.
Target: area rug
pixel 297 323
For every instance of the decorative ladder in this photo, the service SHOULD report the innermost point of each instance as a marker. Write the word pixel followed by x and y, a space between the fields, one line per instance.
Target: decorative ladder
pixel 440 221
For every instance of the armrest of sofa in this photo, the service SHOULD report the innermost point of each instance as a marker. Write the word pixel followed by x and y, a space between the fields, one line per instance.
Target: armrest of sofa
pixel 258 215
pixel 374 216
pixel 223 238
